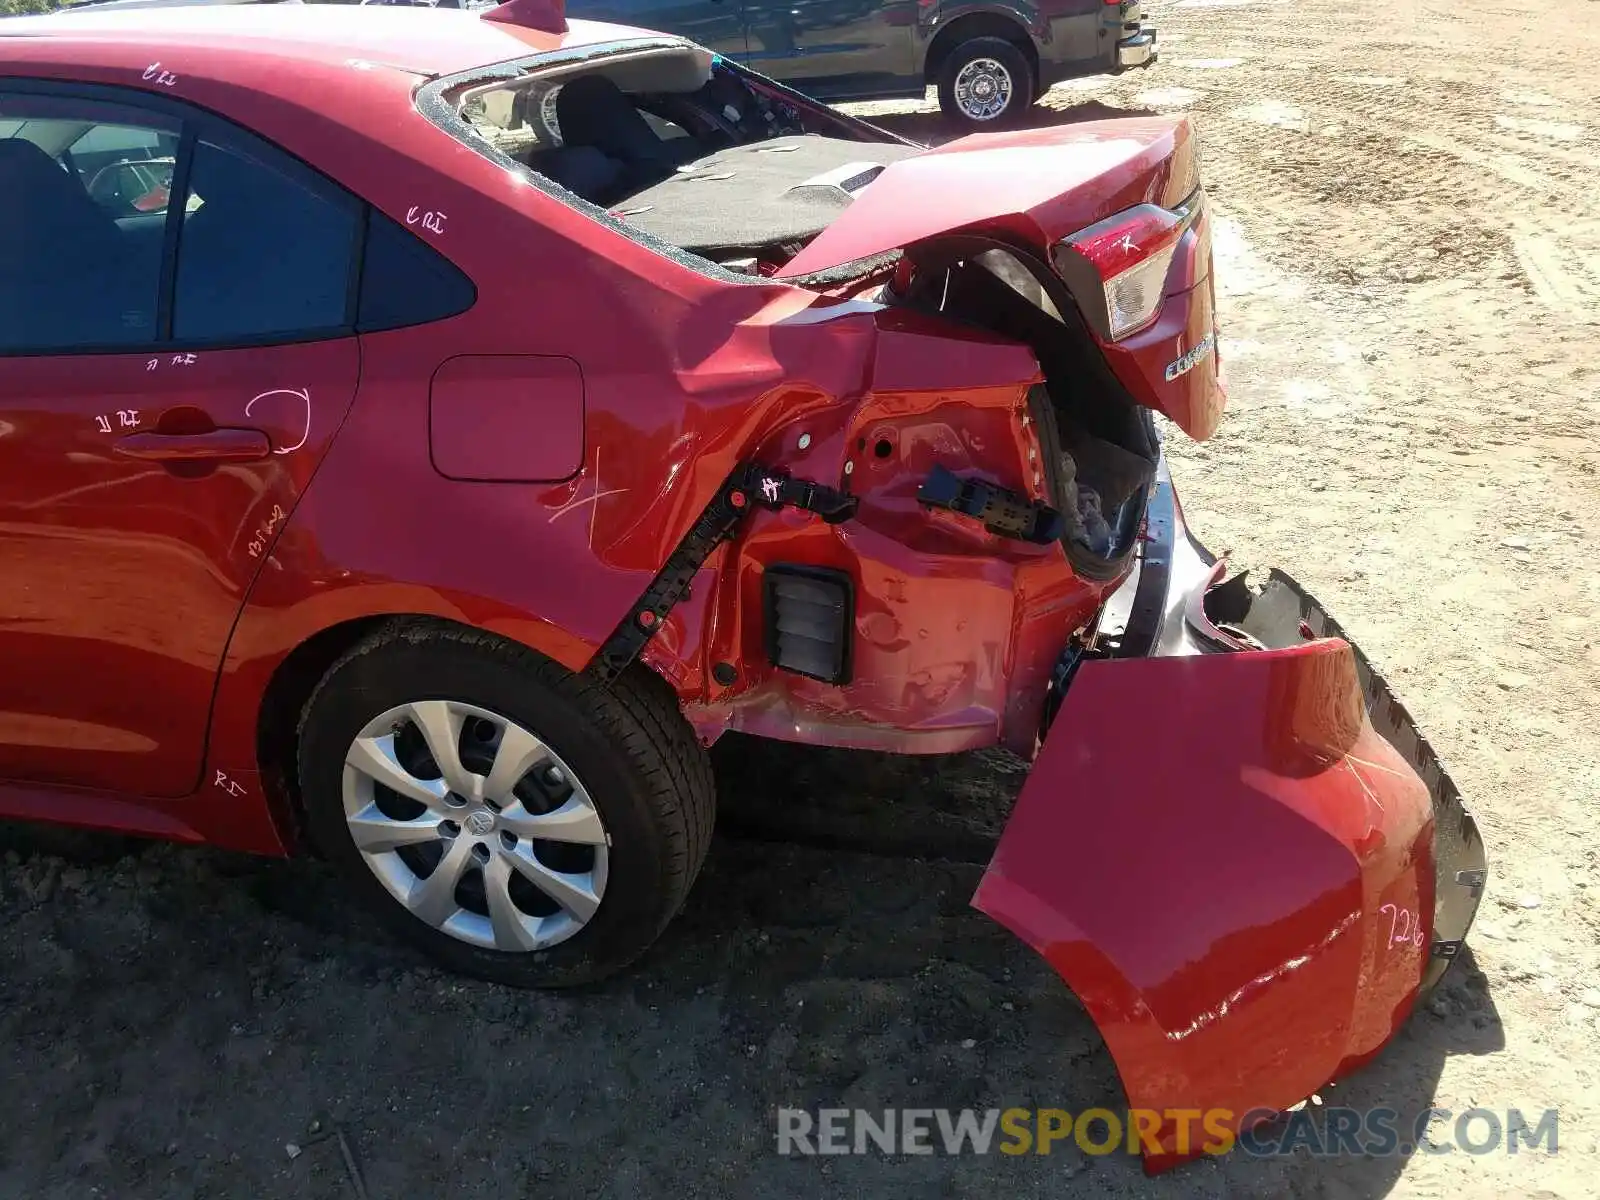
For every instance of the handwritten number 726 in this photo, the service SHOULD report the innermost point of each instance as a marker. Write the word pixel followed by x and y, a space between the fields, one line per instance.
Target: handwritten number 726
pixel 1405 925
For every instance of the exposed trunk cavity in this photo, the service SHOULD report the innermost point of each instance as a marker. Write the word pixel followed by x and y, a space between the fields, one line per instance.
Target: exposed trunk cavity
pixel 1100 448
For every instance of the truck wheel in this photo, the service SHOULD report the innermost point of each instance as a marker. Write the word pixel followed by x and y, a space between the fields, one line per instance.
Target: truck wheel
pixel 512 820
pixel 985 82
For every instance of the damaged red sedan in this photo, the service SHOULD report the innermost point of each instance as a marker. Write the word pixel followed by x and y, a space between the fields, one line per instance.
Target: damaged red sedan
pixel 425 433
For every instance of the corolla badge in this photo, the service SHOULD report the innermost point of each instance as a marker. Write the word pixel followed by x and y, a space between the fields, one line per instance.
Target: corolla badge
pixel 1186 363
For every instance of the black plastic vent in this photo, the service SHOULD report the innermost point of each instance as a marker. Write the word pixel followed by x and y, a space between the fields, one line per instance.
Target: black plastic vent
pixel 809 612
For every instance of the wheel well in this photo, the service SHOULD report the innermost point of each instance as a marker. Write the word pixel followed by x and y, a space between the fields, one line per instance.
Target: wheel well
pixel 278 727
pixel 976 25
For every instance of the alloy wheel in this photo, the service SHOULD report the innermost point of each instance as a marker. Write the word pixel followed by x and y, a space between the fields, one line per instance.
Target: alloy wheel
pixel 983 89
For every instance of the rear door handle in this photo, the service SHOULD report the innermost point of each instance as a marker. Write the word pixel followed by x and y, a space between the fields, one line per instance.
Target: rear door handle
pixel 215 445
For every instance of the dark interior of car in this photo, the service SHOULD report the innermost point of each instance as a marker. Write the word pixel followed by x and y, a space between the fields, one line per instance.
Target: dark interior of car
pixel 609 150
pixel 65 265
pixel 706 164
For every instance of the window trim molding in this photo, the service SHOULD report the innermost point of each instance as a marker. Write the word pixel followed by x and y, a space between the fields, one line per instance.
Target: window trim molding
pixel 167 296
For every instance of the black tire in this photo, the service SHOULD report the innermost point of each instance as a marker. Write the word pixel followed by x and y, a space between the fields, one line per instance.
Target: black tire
pixel 637 757
pixel 995 50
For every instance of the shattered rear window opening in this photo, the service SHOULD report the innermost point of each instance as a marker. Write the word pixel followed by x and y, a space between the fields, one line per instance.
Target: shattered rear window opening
pixel 667 143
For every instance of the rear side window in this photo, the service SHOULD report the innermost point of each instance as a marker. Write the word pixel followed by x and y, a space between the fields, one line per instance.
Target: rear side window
pixel 131 227
pixel 83 191
pixel 405 281
pixel 265 249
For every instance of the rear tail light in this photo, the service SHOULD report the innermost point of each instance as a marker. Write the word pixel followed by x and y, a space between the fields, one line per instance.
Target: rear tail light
pixel 1126 258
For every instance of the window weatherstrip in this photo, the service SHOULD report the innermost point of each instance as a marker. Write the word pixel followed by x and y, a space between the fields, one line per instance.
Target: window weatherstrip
pixel 177 208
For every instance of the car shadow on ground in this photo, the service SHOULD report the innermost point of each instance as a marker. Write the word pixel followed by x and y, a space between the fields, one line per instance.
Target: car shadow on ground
pixel 934 128
pixel 141 990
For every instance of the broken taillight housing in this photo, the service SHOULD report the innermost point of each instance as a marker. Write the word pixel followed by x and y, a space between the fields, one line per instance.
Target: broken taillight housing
pixel 1125 259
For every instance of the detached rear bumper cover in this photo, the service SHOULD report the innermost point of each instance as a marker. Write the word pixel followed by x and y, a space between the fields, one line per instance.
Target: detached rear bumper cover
pixel 1235 846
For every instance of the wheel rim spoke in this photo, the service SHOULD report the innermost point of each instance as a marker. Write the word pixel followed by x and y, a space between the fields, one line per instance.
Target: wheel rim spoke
pixel 518 753
pixel 510 925
pixel 574 893
pixel 434 898
pixel 440 726
pixel 374 757
pixel 575 821
pixel 374 833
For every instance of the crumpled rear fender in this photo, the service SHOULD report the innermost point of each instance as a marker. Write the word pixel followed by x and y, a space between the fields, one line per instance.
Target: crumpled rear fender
pixel 1238 851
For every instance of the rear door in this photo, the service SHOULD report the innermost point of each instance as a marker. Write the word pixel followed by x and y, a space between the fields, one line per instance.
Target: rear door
pixel 174 372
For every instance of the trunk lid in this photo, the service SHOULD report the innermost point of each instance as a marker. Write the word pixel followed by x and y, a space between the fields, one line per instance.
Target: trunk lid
pixel 1036 185
pixel 1114 213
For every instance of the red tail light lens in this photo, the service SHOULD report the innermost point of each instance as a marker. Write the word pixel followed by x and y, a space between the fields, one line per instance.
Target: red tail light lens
pixel 1129 256
pixel 1131 253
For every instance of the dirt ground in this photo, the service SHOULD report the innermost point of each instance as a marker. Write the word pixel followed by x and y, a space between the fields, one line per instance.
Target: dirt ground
pixel 1409 269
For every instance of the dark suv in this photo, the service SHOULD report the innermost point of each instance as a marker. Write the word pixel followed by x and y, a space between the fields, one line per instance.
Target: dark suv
pixel 990 60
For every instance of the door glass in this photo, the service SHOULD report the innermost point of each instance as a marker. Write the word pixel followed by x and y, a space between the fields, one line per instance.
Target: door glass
pixel 265 252
pixel 126 170
pixel 82 207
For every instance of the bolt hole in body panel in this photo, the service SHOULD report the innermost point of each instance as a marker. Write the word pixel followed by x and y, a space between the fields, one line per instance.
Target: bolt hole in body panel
pixel 506 418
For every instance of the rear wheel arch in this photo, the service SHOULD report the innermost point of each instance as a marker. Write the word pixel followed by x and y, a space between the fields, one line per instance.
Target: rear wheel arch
pixel 285 698
pixel 295 680
pixel 978 25
pixel 626 747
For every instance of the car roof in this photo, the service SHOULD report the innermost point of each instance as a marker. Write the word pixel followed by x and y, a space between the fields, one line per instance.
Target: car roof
pixel 73 6
pixel 426 41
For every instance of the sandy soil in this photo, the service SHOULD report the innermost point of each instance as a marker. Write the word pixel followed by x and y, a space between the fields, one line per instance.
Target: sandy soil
pixel 1408 267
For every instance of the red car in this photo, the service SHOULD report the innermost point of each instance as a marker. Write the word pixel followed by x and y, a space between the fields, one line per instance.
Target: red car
pixel 506 409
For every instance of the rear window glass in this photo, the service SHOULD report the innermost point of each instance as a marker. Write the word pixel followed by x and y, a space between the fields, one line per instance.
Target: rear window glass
pixel 124 168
